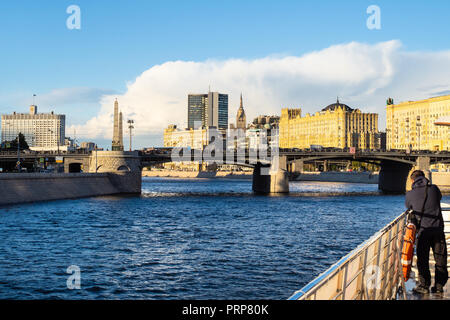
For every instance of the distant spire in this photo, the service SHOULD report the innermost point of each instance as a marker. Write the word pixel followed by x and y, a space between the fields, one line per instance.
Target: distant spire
pixel 338 100
pixel 242 105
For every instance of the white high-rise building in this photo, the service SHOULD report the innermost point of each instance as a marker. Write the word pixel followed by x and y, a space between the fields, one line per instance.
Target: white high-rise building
pixel 42 131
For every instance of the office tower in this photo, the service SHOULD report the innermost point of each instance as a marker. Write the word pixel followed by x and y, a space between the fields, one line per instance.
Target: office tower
pixel 42 131
pixel 208 110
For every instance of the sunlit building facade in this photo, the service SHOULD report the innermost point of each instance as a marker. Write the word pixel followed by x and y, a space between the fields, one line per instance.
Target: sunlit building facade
pixel 336 126
pixel 414 125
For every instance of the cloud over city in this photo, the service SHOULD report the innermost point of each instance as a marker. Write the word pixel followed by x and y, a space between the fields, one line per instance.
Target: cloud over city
pixel 362 75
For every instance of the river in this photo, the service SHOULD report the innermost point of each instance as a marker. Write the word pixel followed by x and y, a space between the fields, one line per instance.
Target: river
pixel 187 239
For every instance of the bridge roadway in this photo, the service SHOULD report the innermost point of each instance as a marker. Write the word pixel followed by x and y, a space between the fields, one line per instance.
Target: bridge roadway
pixel 395 165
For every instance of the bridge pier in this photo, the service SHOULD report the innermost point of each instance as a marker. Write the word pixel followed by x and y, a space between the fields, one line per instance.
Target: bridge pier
pixel 267 181
pixel 297 166
pixel 394 176
pixel 422 163
pixel 123 168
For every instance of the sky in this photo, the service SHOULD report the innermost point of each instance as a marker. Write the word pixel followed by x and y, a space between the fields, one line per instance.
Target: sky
pixel 151 54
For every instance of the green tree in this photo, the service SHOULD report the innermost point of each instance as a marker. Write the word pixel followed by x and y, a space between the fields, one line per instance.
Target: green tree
pixel 12 145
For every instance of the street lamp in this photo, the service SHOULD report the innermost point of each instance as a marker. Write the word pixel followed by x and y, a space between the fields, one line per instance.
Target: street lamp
pixel 18 153
pixel 131 127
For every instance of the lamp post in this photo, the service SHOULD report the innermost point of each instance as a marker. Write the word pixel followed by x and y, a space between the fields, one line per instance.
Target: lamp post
pixel 131 127
pixel 18 153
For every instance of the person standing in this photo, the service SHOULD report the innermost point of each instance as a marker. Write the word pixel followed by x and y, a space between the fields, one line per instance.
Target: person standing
pixel 425 202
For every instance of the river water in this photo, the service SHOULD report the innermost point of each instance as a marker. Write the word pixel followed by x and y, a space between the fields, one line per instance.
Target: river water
pixel 187 239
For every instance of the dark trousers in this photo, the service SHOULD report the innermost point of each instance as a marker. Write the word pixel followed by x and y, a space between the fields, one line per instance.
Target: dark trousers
pixel 432 239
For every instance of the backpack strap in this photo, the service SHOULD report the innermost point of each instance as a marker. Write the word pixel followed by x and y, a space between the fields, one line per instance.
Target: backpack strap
pixel 423 206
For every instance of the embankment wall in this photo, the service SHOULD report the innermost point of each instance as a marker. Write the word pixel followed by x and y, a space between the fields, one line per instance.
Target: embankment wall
pixel 18 188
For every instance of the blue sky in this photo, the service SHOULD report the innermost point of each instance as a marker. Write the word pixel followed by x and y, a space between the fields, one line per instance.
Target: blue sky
pixel 119 40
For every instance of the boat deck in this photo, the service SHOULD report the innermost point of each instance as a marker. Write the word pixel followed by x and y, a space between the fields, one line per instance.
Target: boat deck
pixel 414 273
pixel 412 282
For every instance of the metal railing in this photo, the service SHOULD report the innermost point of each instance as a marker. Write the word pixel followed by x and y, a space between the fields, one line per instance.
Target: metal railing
pixel 372 271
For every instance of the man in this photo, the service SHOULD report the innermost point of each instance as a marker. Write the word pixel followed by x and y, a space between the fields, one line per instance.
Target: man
pixel 424 199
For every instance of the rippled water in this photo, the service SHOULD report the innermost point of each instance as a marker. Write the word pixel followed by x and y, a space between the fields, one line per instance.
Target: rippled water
pixel 186 239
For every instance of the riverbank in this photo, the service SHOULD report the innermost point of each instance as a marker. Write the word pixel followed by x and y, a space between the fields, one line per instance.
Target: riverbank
pixel 349 177
pixel 197 174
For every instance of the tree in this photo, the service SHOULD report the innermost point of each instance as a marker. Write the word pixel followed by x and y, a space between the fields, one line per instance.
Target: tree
pixel 12 145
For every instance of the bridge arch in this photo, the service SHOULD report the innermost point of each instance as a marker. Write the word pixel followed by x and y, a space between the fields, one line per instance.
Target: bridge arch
pixel 75 167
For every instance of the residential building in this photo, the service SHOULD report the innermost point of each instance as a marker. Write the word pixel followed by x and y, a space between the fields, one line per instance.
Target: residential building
pixel 336 126
pixel 414 125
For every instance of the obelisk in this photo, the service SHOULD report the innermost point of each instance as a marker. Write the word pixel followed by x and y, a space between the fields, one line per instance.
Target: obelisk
pixel 117 142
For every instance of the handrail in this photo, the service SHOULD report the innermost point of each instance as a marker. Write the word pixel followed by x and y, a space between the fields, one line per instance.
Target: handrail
pixel 378 258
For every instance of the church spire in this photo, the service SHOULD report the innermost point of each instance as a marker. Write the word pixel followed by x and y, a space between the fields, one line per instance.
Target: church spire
pixel 240 117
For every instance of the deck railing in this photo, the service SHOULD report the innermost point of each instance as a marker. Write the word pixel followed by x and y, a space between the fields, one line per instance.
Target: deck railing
pixel 372 271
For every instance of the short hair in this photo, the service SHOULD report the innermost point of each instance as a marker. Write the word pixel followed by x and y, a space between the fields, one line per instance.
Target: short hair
pixel 417 174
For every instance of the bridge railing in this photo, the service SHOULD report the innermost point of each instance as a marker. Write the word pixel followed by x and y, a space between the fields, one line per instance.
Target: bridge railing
pixel 372 271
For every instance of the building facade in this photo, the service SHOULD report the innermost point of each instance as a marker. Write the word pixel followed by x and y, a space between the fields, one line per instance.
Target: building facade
pixel 336 126
pixel 414 125
pixel 208 110
pixel 42 131
pixel 188 138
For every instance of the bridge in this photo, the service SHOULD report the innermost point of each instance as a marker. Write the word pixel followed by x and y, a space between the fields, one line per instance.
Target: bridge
pixel 270 170
pixel 396 166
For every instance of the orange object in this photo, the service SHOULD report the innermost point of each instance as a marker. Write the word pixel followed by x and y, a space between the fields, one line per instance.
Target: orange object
pixel 408 249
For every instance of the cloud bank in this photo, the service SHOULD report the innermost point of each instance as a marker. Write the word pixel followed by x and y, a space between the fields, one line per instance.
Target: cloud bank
pixel 362 75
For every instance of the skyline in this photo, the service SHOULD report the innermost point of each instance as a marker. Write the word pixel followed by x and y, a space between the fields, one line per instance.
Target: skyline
pixel 152 68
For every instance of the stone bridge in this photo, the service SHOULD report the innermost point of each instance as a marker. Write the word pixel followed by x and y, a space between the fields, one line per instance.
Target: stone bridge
pixel 268 177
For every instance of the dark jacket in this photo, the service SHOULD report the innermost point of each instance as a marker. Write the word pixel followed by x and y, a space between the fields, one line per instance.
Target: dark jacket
pixel 432 214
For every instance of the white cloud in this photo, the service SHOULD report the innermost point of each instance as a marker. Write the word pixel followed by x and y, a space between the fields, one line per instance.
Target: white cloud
pixel 362 75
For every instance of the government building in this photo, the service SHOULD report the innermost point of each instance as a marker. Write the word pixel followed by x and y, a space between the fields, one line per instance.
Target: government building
pixel 42 131
pixel 336 126
pixel 417 125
